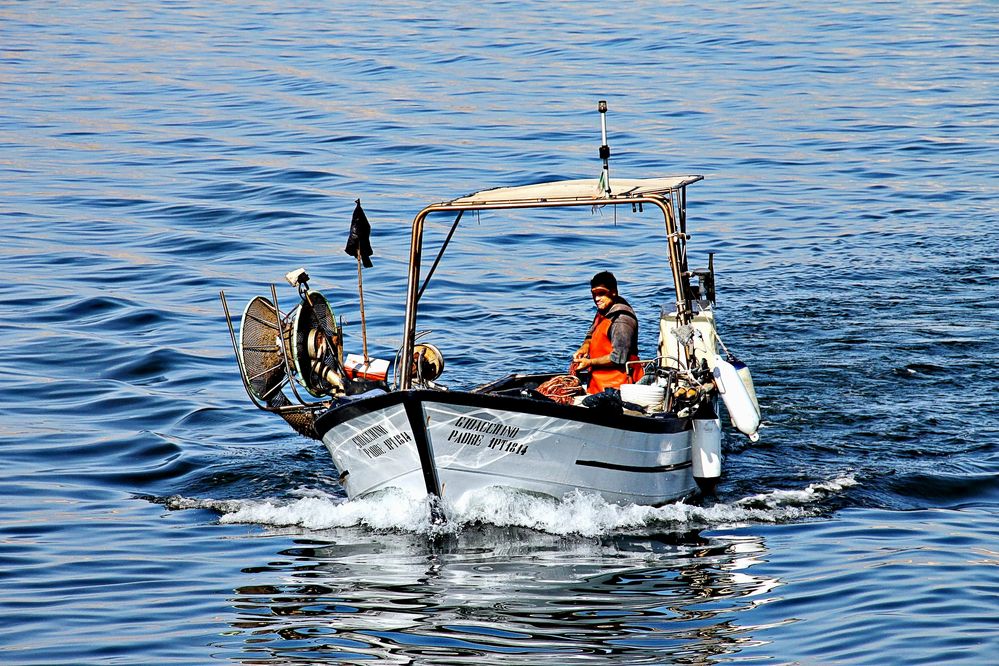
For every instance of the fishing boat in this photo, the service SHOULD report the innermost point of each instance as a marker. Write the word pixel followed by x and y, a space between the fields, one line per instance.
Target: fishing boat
pixel 399 425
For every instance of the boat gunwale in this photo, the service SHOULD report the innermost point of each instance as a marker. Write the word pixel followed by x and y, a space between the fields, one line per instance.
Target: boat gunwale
pixel 349 410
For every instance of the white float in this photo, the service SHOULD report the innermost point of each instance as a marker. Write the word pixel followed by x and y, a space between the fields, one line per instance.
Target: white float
pixel 739 401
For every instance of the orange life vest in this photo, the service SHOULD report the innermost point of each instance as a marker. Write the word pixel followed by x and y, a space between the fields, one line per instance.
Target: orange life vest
pixel 601 345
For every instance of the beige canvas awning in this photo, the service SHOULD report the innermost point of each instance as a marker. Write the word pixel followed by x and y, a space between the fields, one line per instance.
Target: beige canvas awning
pixel 575 190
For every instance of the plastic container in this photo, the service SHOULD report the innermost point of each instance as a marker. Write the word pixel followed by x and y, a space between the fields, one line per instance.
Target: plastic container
pixel 376 369
pixel 642 394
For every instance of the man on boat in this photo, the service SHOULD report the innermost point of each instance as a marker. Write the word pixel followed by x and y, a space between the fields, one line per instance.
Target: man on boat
pixel 612 340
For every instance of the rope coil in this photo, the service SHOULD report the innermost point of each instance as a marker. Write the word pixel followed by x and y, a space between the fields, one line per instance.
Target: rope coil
pixel 561 389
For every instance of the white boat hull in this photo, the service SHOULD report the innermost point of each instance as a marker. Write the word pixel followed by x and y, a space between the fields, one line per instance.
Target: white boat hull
pixel 453 443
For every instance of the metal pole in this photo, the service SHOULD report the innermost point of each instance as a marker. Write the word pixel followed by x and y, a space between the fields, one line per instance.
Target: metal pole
pixel 440 254
pixel 604 148
pixel 412 299
pixel 239 358
pixel 360 294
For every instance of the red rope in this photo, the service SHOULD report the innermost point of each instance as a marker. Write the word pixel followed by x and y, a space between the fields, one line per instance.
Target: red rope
pixel 562 389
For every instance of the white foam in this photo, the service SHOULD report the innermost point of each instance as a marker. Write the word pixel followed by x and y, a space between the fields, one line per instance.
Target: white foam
pixel 319 511
pixel 577 513
pixel 810 495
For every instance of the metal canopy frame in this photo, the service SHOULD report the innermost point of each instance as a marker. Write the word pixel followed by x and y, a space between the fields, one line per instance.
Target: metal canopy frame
pixel 671 202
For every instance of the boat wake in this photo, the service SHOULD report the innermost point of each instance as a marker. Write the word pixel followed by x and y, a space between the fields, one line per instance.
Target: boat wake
pixel 577 514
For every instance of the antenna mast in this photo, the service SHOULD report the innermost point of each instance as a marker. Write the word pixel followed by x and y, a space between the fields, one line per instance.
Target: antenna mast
pixel 604 149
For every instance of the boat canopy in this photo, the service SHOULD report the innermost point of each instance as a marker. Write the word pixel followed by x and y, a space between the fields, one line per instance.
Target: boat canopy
pixel 575 190
pixel 564 193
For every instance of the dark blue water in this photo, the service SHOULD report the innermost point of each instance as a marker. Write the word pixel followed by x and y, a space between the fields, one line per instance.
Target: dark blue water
pixel 152 154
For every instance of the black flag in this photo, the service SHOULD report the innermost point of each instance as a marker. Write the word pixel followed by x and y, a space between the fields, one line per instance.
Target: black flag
pixel 359 239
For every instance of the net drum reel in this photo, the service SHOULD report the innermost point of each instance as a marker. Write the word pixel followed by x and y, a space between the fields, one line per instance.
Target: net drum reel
pixel 300 348
pixel 279 354
pixel 308 347
pixel 316 345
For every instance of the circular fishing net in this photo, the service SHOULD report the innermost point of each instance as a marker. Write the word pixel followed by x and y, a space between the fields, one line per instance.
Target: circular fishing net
pixel 260 350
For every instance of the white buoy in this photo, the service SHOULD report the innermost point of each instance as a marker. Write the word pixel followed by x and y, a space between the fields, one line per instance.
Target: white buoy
pixel 706 450
pixel 738 400
pixel 742 370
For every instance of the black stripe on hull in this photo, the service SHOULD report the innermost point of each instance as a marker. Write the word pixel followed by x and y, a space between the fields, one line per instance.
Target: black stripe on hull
pixel 656 469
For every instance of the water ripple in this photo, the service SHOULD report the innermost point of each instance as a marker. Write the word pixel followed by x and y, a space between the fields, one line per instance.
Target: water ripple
pixel 155 153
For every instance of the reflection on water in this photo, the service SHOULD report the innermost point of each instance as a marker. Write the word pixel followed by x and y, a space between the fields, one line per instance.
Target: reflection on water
pixel 492 591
